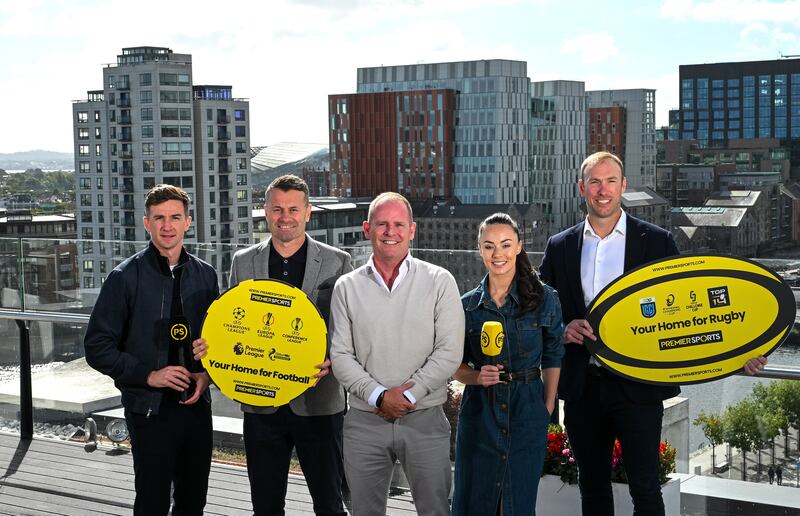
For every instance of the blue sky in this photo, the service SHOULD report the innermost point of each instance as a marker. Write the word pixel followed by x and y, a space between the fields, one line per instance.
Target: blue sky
pixel 287 56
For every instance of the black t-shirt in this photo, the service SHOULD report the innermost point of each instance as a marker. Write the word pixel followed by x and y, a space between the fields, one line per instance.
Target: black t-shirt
pixel 290 269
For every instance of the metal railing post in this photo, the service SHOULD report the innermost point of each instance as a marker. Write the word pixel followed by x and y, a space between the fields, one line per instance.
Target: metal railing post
pixel 25 389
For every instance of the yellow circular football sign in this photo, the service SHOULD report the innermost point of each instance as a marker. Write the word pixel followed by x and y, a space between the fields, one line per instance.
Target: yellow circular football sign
pixel 264 339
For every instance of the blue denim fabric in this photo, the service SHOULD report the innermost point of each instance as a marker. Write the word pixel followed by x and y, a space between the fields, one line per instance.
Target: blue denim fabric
pixel 502 436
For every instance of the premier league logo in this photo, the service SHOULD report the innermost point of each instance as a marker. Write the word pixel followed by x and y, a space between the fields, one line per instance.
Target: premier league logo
pixel 648 306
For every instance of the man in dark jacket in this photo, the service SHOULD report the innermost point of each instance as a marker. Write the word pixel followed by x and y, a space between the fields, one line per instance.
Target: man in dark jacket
pixel 149 309
pixel 599 406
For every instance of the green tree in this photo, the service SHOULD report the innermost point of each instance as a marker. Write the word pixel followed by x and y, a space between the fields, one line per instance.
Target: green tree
pixel 770 400
pixel 787 393
pixel 711 424
pixel 742 429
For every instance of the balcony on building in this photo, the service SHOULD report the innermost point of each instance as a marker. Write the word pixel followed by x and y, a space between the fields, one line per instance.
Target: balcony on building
pixel 223 166
pixel 224 183
pixel 223 150
pixel 223 134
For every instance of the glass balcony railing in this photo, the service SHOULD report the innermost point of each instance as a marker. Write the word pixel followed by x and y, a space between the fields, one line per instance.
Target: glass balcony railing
pixel 53 284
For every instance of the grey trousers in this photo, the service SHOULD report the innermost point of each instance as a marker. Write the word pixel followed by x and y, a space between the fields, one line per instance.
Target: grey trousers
pixel 420 440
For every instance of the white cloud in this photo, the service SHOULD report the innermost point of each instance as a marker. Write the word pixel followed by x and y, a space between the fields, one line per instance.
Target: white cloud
pixel 592 48
pixel 733 11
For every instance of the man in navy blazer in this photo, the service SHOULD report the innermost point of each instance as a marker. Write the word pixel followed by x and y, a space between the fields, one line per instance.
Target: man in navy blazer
pixel 600 406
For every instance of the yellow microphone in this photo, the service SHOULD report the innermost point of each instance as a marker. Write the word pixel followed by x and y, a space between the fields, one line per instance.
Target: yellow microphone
pixel 492 337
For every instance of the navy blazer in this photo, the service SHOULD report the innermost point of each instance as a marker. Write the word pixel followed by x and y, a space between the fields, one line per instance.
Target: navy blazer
pixel 561 269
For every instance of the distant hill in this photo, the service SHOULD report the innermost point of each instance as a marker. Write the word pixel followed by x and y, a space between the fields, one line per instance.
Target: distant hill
pixel 45 160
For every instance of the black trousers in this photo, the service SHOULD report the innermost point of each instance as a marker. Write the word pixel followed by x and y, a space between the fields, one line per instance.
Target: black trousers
pixel 593 422
pixel 172 447
pixel 268 441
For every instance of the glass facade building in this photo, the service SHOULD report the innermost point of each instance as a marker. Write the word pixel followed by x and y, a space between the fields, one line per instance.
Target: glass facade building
pixel 491 153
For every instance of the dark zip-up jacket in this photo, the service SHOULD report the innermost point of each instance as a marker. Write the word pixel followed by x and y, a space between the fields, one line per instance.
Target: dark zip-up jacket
pixel 127 337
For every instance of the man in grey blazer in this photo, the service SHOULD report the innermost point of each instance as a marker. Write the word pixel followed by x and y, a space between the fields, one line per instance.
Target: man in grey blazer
pixel 312 422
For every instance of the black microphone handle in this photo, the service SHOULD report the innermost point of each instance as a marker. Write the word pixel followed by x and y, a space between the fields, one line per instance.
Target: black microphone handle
pixel 184 394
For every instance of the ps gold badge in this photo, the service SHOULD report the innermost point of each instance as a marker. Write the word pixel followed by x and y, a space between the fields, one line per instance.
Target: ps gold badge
pixel 264 339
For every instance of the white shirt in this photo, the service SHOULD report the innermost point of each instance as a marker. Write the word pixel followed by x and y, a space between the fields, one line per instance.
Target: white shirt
pixel 401 274
pixel 602 260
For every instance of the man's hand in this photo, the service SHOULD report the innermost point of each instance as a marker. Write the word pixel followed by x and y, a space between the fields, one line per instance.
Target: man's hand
pixel 324 369
pixel 754 365
pixel 199 348
pixel 394 404
pixel 201 381
pixel 489 375
pixel 577 330
pixel 176 378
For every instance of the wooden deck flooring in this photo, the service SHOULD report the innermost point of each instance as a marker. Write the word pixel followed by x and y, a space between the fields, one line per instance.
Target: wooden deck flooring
pixel 47 477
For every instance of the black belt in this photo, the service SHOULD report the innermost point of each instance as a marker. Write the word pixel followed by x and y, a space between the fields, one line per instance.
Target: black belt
pixel 526 376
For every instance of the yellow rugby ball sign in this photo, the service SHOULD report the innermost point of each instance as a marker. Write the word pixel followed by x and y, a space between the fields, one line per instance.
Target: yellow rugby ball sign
pixel 689 319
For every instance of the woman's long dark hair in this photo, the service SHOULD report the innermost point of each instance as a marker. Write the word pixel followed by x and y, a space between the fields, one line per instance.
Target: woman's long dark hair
pixel 528 284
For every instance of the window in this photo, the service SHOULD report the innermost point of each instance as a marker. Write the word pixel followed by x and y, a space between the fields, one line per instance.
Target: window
pixel 86 216
pixel 148 166
pixel 100 199
pixel 211 181
pixel 170 165
pixel 240 131
pixel 83 167
pixel 88 265
pixel 210 131
pixel 169 113
pixel 148 182
pixel 88 281
pixel 241 163
pixel 187 181
pixel 209 114
pixel 186 165
pixel 98 166
pixel 145 96
pixel 83 117
pixel 168 96
pixel 169 131
pixel 98 149
pixel 83 133
pixel 211 167
pixel 242 227
pixel 147 149
pixel 83 150
pixel 147 131
pixel 186 131
pixel 145 79
pixel 147 114
pixel 96 116
pixel 86 199
pixel 241 179
pixel 241 195
pixel 97 133
pixel 241 212
pixel 241 147
pixel 239 115
pixel 85 183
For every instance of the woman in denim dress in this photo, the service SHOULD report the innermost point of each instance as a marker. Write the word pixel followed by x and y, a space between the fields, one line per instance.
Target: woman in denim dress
pixel 502 426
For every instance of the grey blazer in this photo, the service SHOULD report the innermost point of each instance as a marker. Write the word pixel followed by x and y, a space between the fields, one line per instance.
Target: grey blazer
pixel 324 265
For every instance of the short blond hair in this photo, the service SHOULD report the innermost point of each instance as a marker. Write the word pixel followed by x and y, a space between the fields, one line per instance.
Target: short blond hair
pixel 389 197
pixel 600 157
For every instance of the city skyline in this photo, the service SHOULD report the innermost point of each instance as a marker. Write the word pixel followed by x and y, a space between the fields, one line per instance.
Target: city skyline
pixel 287 57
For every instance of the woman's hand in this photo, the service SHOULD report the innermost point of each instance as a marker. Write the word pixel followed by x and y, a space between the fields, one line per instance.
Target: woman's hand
pixel 489 375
